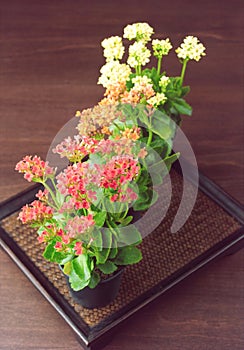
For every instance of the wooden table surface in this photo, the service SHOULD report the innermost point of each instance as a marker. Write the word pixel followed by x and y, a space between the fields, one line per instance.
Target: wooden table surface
pixel 50 58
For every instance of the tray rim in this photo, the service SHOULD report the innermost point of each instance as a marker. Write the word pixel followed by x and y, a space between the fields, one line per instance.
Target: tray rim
pixel 91 336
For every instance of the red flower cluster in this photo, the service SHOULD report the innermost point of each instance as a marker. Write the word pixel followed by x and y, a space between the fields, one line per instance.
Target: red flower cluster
pixel 72 181
pixel 118 171
pixel 42 195
pixel 34 168
pixel 79 225
pixel 128 196
pixel 35 212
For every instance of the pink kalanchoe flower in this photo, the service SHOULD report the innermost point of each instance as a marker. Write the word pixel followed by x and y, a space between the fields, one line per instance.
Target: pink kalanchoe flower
pixel 34 168
pixel 63 235
pixel 142 153
pixel 42 195
pixel 118 171
pixel 79 225
pixel 58 246
pixel 65 239
pixel 36 212
pixel 78 248
pixel 114 197
pixel 72 182
pixel 42 237
pixel 68 206
pixel 129 196
pixel 76 149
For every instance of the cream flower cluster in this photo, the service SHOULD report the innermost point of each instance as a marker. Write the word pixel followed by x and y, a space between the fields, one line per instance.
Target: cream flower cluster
pixel 141 80
pixel 163 82
pixel 158 99
pixel 112 72
pixel 113 48
pixel 191 49
pixel 138 31
pixel 161 47
pixel 138 54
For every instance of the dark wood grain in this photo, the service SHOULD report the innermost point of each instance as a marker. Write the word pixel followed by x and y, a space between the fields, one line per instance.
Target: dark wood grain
pixel 50 55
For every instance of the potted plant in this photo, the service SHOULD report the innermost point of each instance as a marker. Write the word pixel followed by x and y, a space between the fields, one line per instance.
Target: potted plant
pixel 85 214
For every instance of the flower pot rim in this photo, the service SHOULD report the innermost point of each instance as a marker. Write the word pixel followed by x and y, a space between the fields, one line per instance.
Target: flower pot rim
pixel 119 271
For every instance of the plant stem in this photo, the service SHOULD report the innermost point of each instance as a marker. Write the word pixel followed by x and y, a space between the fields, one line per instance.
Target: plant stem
pixel 139 70
pixel 149 140
pixel 183 70
pixel 112 229
pixel 159 65
pixel 51 193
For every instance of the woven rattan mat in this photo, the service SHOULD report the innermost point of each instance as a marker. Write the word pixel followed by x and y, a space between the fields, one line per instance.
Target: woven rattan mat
pixel 164 253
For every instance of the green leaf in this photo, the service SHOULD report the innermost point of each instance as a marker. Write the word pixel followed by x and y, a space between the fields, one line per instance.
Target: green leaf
pixel 157 179
pixel 49 251
pixel 129 235
pixel 102 256
pixel 113 252
pixel 153 196
pixel 100 218
pixel 97 239
pixel 95 279
pixel 128 255
pixel 67 268
pixel 125 221
pixel 151 158
pixel 145 200
pixel 182 107
pixel 81 266
pixel 76 282
pixel 158 168
pixel 161 125
pixel 80 274
pixel 143 118
pixel 129 83
pixel 144 178
pixel 61 258
pixel 108 267
pixel 168 161
pixel 161 146
pixel 163 166
pixel 185 90
pixel 143 197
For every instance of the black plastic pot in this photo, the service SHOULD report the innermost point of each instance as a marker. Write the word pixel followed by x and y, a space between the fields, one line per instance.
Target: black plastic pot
pixel 103 294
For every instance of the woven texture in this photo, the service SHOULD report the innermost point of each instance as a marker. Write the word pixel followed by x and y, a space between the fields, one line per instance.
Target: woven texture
pixel 163 252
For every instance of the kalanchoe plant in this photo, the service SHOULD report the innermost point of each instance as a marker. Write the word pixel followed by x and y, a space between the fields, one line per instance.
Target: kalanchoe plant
pixel 130 82
pixel 123 150
pixel 80 212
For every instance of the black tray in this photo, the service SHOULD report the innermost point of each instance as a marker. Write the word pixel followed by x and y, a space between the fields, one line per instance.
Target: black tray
pixel 215 227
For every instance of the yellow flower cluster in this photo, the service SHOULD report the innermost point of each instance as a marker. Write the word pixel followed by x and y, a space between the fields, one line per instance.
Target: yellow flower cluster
pixel 157 100
pixel 112 72
pixel 138 54
pixel 123 86
pixel 139 81
pixel 191 49
pixel 138 31
pixel 113 48
pixel 161 47
pixel 163 82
